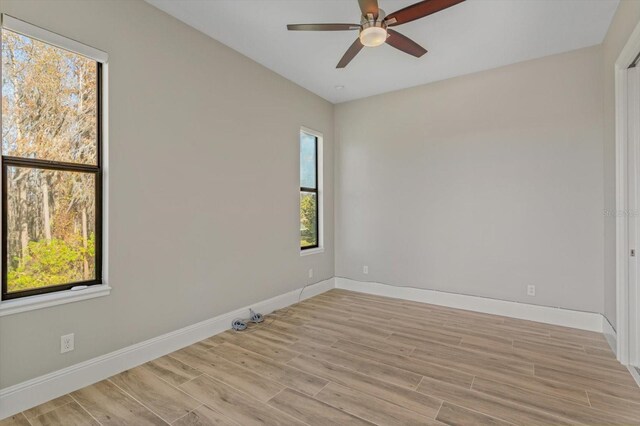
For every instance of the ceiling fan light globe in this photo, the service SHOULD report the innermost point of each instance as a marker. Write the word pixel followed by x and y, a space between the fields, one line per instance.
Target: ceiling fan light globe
pixel 373 36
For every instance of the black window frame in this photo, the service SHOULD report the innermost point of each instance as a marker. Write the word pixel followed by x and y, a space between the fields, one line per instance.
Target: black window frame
pixel 96 170
pixel 314 191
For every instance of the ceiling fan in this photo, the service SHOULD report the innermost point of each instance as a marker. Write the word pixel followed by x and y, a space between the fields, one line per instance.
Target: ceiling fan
pixel 374 27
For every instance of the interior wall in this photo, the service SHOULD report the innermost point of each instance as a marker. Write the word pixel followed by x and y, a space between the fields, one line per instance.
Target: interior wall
pixel 624 21
pixel 203 187
pixel 481 184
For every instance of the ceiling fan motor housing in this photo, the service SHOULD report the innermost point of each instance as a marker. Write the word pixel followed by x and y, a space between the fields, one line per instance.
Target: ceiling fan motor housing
pixel 373 31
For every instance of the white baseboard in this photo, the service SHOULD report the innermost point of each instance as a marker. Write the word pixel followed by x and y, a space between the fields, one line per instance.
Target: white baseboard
pixel 634 373
pixel 576 319
pixel 25 395
pixel 610 334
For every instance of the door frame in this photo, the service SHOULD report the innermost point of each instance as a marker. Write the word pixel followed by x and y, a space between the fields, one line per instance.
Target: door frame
pixel 624 309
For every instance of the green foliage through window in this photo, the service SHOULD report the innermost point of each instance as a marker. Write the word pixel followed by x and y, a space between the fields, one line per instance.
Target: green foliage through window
pixel 308 220
pixel 51 263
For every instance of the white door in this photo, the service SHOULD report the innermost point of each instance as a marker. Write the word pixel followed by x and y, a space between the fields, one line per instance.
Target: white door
pixel 633 213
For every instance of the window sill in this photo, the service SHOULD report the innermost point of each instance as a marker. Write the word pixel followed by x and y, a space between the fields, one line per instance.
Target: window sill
pixel 32 303
pixel 312 251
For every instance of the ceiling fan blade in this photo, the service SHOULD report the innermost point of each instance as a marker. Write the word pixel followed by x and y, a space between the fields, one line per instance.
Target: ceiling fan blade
pixel 322 27
pixel 369 6
pixel 404 43
pixel 350 53
pixel 419 10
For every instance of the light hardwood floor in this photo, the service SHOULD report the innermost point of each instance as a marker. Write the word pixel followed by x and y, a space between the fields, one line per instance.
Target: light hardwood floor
pixel 345 358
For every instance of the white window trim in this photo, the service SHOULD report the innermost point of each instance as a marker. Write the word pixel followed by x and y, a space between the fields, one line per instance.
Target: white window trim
pixel 308 252
pixel 15 306
pixel 320 183
pixel 49 37
pixel 24 304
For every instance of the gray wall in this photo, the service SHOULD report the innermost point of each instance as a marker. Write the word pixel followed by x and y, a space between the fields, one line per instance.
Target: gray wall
pixel 480 184
pixel 203 188
pixel 624 21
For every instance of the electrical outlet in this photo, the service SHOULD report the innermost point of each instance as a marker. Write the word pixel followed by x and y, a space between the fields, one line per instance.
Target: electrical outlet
pixel 310 273
pixel 66 343
pixel 531 290
pixel 365 269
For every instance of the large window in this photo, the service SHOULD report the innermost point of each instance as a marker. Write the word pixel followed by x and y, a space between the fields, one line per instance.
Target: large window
pixel 309 191
pixel 51 166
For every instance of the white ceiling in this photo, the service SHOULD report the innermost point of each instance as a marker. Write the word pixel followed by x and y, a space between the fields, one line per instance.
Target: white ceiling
pixel 469 37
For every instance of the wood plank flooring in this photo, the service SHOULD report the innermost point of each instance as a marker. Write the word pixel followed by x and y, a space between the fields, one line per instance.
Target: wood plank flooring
pixel 345 358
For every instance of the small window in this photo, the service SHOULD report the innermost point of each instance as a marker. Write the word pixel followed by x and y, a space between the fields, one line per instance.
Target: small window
pixel 309 191
pixel 51 166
